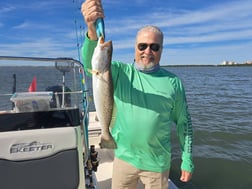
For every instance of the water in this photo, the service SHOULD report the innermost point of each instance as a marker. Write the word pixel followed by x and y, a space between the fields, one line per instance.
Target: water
pixel 220 102
pixel 46 76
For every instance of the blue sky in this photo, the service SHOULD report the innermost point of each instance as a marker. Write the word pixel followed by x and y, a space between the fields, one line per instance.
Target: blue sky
pixel 196 31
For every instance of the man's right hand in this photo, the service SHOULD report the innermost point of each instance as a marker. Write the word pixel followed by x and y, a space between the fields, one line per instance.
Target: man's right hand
pixel 91 10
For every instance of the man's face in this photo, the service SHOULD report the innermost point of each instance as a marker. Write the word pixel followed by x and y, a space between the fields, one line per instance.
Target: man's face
pixel 148 49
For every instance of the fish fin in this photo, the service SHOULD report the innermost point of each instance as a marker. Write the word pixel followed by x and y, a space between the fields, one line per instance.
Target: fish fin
pixel 98 74
pixel 95 72
pixel 90 99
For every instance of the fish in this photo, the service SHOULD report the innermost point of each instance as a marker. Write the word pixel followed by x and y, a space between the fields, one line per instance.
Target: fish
pixel 103 89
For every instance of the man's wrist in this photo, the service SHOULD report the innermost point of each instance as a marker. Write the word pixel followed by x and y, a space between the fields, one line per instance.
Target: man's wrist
pixel 187 162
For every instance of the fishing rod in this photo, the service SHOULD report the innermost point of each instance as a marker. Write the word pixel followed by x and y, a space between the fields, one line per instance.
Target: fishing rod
pixel 82 75
pixel 14 88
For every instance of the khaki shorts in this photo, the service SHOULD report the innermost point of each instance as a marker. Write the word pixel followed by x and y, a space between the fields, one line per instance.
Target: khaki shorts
pixel 125 176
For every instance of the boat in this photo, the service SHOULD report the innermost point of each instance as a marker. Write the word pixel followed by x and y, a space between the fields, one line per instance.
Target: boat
pixel 49 138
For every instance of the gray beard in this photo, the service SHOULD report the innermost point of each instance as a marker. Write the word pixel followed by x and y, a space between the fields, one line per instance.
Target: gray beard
pixel 150 68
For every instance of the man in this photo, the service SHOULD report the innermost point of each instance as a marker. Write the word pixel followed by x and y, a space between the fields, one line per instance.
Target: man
pixel 148 99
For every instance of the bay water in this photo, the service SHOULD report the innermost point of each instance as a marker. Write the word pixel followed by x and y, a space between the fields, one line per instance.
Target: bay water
pixel 220 103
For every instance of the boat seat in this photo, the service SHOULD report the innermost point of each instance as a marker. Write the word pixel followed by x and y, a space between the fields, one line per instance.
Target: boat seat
pixel 46 158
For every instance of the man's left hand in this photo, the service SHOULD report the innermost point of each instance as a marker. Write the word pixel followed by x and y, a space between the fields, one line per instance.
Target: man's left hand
pixel 185 176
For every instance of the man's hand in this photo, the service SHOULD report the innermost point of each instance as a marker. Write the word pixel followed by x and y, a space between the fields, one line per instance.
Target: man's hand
pixel 91 10
pixel 185 176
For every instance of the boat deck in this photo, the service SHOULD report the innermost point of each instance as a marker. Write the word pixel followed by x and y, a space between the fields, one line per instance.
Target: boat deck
pixel 105 157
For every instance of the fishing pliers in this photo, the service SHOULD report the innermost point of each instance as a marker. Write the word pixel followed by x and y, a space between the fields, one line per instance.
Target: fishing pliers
pixel 100 27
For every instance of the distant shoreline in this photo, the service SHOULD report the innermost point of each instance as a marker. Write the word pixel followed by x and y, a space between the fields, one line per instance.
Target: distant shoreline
pixel 209 65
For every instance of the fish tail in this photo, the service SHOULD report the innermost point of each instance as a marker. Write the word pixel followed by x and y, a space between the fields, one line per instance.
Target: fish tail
pixel 108 143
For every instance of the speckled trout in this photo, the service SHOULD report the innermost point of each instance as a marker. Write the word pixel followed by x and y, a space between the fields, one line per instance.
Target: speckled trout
pixel 103 89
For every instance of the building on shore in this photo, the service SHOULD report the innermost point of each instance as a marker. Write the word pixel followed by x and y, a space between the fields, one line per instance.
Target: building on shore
pixel 231 63
pixel 228 63
pixel 249 62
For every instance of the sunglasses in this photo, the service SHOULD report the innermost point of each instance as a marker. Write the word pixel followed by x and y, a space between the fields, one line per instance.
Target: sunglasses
pixel 154 46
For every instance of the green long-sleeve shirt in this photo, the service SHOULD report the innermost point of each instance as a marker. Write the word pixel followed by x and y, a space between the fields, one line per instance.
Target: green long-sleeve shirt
pixel 146 105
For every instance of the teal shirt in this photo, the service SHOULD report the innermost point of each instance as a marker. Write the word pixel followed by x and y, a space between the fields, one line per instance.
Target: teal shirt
pixel 146 106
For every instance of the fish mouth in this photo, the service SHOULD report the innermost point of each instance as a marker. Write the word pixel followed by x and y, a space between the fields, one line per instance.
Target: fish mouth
pixel 101 40
pixel 103 43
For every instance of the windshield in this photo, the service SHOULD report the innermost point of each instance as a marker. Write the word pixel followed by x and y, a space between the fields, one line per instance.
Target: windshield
pixel 41 84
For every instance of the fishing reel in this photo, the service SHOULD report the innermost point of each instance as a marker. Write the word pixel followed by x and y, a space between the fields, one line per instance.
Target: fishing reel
pixel 91 165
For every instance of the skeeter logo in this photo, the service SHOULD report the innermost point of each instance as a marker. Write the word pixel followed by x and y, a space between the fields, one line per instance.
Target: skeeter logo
pixel 30 147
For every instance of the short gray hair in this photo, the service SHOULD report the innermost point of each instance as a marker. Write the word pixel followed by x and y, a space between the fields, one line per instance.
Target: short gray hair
pixel 151 28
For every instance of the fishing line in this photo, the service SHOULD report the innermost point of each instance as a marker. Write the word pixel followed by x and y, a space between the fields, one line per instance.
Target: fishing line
pixel 79 29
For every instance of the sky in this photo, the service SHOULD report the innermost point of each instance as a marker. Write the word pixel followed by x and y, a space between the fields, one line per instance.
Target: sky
pixel 195 31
